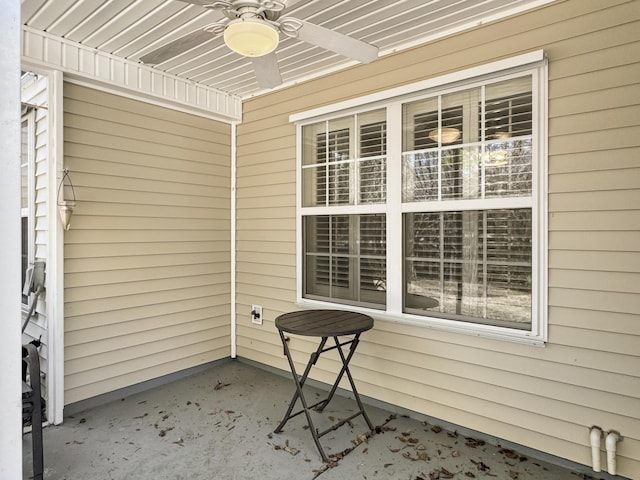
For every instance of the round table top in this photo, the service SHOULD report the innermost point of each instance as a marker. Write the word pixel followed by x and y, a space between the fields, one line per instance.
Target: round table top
pixel 323 323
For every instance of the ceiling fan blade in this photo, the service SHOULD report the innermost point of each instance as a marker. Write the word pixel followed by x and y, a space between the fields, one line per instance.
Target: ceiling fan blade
pixel 202 3
pixel 176 47
pixel 289 4
pixel 337 42
pixel 267 70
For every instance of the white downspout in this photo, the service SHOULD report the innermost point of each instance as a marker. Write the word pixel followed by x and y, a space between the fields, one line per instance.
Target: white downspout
pixel 610 444
pixel 595 438
pixel 233 240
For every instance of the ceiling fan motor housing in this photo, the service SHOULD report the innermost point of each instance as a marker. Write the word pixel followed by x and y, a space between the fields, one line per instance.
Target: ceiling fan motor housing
pixel 263 9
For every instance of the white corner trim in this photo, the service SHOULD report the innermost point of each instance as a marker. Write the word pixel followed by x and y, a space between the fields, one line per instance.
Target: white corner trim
pixel 234 296
pixel 127 77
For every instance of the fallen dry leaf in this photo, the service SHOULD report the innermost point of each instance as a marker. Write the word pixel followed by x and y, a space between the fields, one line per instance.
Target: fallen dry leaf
pixel 292 450
pixel 220 385
pixel 436 429
pixel 509 453
pixel 422 456
pixel 473 443
pixel 444 473
pixel 483 467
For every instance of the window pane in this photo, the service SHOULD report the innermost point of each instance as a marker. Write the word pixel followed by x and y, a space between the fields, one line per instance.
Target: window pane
pixel 420 176
pixel 373 181
pixel 508 129
pixel 373 133
pixel 372 159
pixel 508 168
pixel 24 166
pixel 25 254
pixel 508 109
pixel 469 265
pixel 314 186
pixel 339 184
pixel 345 258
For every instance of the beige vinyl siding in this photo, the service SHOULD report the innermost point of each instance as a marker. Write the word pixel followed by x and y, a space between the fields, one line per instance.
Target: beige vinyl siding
pixel 589 371
pixel 147 258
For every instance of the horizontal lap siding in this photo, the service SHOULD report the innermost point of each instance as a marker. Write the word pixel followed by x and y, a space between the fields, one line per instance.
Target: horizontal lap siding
pixel 589 372
pixel 37 94
pixel 147 258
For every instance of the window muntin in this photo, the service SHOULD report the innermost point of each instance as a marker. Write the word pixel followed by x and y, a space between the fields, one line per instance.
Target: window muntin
pixel 494 168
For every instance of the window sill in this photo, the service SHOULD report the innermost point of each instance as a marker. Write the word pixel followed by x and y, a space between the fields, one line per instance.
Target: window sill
pixel 476 330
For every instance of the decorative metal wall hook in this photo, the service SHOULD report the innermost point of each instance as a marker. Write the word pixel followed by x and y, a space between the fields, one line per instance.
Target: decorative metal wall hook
pixel 66 204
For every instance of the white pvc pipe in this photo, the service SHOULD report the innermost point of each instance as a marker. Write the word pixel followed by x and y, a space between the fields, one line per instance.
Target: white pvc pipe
pixel 594 438
pixel 610 444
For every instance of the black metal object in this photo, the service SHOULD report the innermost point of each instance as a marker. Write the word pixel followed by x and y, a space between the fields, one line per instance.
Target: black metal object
pixel 33 405
pixel 324 324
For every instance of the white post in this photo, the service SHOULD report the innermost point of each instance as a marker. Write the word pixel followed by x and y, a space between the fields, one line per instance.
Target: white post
pixel 55 255
pixel 10 340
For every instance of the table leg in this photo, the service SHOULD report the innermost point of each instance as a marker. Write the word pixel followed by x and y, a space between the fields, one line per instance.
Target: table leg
pixel 299 382
pixel 345 363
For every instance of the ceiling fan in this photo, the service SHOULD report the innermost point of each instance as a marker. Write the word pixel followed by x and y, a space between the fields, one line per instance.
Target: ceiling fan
pixel 252 28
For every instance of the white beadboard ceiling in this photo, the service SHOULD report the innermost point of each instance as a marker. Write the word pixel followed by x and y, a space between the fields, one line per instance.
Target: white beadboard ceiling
pixel 132 28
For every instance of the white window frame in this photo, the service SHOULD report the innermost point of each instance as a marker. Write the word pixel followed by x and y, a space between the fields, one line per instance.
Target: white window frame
pixel 534 64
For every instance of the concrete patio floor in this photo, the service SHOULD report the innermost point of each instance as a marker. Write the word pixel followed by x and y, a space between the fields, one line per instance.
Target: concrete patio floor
pixel 218 424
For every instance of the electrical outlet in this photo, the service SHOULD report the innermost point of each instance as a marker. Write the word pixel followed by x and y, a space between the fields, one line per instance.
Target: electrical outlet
pixel 256 314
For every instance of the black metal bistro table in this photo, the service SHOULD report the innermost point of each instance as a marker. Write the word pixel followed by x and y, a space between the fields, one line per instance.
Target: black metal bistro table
pixel 323 324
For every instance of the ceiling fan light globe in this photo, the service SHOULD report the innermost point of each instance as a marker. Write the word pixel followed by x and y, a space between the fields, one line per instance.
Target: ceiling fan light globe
pixel 251 37
pixel 444 135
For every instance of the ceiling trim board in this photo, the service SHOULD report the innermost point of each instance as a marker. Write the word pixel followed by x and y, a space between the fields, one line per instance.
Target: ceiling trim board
pixel 133 79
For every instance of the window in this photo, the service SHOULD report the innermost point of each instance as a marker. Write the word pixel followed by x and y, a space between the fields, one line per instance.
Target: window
pixel 27 196
pixel 344 169
pixel 469 262
pixel 440 189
